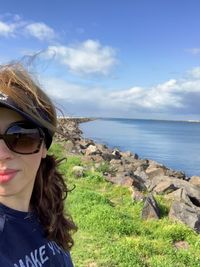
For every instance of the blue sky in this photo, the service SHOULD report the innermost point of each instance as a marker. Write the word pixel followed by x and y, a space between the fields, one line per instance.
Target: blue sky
pixel 131 58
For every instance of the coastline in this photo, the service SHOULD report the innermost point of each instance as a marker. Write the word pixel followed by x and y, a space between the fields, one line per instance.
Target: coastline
pixel 174 144
pixel 77 119
pixel 161 120
pixel 71 125
pixel 144 177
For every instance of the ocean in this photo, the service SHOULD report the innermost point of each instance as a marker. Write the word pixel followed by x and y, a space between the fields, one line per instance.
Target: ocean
pixel 176 144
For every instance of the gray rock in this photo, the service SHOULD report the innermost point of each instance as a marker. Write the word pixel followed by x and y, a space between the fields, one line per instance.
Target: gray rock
pixel 141 173
pixel 165 187
pixel 116 162
pixel 181 245
pixel 153 171
pixel 84 143
pixel 155 163
pixel 130 160
pixel 179 195
pixel 195 180
pixel 96 158
pixel 126 154
pixel 192 190
pixel 164 183
pixel 150 209
pixel 137 196
pixel 91 150
pixel 142 163
pixel 156 180
pixel 78 171
pixel 103 148
pixel 120 179
pixel 107 156
pixel 117 165
pixel 139 183
pixel 185 213
pixel 176 174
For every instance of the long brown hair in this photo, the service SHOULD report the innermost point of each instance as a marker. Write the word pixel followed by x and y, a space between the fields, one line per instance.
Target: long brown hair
pixel 50 189
pixel 48 197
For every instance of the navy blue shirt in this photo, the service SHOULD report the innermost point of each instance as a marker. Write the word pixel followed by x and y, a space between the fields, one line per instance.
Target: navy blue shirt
pixel 23 244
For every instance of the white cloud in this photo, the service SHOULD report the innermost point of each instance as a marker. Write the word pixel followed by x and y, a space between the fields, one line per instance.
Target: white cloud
pixel 40 31
pixel 7 29
pixel 89 57
pixel 14 25
pixel 175 97
pixel 154 98
pixel 127 96
pixel 60 89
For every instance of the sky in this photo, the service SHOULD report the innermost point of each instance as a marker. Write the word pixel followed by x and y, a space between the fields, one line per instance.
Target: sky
pixel 122 59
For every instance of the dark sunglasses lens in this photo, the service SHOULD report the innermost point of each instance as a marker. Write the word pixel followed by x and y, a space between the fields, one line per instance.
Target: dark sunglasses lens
pixel 23 139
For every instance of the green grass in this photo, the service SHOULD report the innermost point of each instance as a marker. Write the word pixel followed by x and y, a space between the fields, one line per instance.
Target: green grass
pixel 111 232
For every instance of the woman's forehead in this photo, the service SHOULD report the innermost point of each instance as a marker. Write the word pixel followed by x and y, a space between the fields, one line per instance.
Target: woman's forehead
pixel 8 116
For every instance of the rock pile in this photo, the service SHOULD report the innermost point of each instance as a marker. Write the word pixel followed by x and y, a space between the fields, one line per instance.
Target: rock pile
pixel 144 177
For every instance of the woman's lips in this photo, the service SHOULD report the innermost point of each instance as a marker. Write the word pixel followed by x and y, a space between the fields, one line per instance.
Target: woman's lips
pixel 7 175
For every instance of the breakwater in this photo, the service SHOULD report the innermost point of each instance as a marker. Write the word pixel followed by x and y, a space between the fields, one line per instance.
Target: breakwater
pixel 144 177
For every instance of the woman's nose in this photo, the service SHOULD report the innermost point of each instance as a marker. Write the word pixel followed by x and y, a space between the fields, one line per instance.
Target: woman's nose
pixel 5 152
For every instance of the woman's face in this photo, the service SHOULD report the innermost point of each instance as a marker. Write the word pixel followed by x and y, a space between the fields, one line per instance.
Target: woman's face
pixel 18 188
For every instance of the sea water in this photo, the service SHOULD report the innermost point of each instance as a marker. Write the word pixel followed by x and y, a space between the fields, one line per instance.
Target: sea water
pixel 175 144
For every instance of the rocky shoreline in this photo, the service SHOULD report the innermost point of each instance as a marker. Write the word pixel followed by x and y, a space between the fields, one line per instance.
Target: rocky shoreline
pixel 144 177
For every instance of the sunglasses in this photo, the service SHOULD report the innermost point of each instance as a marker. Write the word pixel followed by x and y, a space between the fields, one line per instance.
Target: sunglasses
pixel 23 137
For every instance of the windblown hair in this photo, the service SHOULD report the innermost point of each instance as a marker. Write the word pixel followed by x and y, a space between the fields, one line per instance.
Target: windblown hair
pixel 17 83
pixel 49 190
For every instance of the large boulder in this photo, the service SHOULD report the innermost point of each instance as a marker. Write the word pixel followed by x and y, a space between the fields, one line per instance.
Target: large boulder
pixel 128 157
pixel 192 191
pixel 176 174
pixel 85 143
pixel 91 150
pixel 179 195
pixel 102 147
pixel 185 213
pixel 137 195
pixel 78 171
pixel 166 187
pixel 140 163
pixel 156 180
pixel 108 156
pixel 140 179
pixel 154 170
pixel 117 164
pixel 150 209
pixel 195 180
pixel 183 209
pixel 166 184
pixel 120 179
pixel 139 183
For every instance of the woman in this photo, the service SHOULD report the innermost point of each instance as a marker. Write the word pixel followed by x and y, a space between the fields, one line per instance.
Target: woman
pixel 33 228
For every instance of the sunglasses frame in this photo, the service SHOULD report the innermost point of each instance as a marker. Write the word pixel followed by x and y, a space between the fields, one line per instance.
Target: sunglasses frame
pixel 41 133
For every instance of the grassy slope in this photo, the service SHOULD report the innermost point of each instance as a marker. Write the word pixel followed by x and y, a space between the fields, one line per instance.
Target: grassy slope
pixel 111 232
